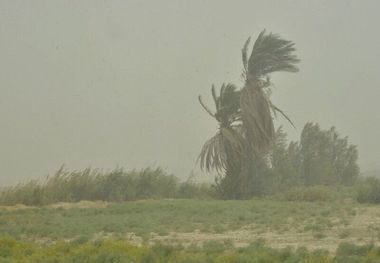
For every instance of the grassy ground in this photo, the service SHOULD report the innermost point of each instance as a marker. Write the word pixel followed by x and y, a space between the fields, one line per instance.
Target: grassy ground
pixel 119 251
pixel 278 223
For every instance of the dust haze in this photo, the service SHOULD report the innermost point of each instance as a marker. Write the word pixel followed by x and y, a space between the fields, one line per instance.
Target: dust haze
pixel 115 83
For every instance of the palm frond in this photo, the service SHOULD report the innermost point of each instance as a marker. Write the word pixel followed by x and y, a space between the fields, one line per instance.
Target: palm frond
pixel 205 107
pixel 227 104
pixel 257 119
pixel 276 109
pixel 270 53
pixel 244 53
pixel 213 93
pixel 222 151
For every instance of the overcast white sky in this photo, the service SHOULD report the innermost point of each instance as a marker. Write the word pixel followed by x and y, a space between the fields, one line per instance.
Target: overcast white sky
pixel 107 83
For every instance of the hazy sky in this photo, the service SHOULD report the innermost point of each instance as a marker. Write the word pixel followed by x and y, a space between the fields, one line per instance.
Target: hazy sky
pixel 107 83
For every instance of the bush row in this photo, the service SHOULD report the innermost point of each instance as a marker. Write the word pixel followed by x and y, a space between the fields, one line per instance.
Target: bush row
pixel 318 193
pixel 114 186
pixel 155 183
pixel 366 190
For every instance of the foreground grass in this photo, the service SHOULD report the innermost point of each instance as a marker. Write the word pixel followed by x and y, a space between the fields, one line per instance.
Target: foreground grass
pixel 175 216
pixel 119 251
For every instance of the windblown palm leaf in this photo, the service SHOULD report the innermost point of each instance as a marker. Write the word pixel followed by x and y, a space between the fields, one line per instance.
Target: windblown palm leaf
pixel 223 151
pixel 227 105
pixel 270 54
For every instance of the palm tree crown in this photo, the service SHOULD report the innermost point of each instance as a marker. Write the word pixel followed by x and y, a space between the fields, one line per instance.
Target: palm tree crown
pixel 223 150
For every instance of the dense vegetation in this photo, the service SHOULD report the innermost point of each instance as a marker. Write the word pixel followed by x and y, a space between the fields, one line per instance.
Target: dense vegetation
pixel 368 190
pixel 321 157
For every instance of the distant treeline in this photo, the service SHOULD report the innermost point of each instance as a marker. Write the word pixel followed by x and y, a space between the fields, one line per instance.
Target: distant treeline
pixel 320 160
pixel 154 183
pixel 114 186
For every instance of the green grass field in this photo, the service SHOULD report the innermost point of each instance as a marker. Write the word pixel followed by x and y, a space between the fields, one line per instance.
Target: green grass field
pixel 194 220
pixel 188 225
pixel 119 251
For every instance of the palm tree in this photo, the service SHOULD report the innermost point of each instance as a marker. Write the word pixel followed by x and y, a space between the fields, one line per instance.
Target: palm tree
pixel 245 117
pixel 223 152
pixel 270 53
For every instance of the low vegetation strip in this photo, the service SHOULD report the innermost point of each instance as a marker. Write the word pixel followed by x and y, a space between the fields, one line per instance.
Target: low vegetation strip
pixel 176 215
pixel 119 186
pixel 119 251
pixel 314 225
pixel 113 186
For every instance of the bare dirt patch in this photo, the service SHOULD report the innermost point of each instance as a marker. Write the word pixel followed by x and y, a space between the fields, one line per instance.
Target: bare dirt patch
pixel 81 204
pixel 15 207
pixel 64 205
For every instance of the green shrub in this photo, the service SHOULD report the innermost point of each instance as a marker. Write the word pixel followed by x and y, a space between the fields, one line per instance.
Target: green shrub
pixel 310 194
pixel 368 190
pixel 348 252
pixel 114 186
pixel 198 191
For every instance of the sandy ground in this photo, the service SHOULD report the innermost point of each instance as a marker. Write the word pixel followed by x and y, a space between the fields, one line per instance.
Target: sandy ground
pixel 64 205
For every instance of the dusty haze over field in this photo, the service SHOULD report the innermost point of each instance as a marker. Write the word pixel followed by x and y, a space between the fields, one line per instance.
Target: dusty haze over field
pixel 106 83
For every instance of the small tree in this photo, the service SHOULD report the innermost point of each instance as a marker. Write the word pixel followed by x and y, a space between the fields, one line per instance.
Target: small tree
pixel 322 157
pixel 326 158
pixel 285 162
